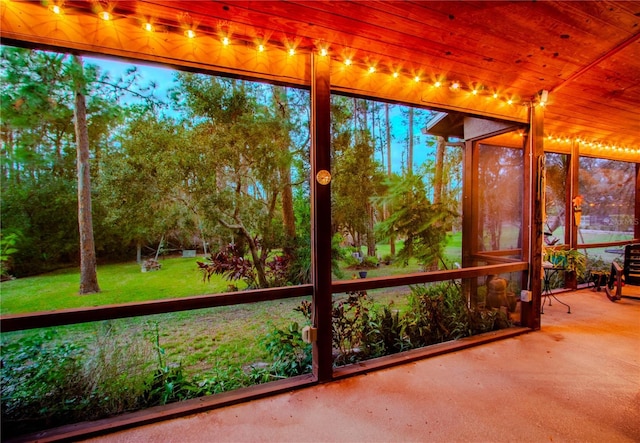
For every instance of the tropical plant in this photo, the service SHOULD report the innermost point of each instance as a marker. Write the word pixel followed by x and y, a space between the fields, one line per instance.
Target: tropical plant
pixel 291 355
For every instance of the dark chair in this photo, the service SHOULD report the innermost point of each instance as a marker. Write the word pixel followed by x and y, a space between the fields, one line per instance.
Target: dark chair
pixel 628 273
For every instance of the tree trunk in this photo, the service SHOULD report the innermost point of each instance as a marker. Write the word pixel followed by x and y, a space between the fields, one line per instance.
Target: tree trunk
pixel 392 239
pixel 437 185
pixel 88 273
pixel 288 216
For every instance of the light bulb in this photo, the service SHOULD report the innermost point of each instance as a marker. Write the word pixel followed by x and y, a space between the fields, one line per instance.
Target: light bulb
pixel 323 52
pixel 372 69
pixel 55 9
pixel 189 33
pixel 292 52
pixel 105 15
pixel 225 41
pixel 148 27
pixel 347 62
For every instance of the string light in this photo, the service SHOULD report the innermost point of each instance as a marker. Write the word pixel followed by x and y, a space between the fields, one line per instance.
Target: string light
pixel 372 69
pixel 593 146
pixel 416 78
pixel 292 52
pixel 225 41
pixel 56 9
pixel 455 86
pixel 347 62
pixel 190 33
pixel 437 84
pixel 260 48
pixel 148 27
pixel 105 15
pixel 324 52
pixel 395 74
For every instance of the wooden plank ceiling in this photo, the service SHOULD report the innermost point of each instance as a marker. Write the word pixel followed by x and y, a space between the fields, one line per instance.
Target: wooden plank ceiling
pixel 586 54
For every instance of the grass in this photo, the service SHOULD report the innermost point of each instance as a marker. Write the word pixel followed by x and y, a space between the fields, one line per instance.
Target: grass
pixel 119 283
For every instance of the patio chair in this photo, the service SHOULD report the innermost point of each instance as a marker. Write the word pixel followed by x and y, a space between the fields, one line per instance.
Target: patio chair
pixel 627 274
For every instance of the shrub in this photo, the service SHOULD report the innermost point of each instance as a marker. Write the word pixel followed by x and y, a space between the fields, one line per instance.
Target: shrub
pixel 43 384
pixel 291 355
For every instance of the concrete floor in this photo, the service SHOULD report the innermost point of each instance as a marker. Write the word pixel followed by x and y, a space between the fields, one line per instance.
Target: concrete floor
pixel 576 380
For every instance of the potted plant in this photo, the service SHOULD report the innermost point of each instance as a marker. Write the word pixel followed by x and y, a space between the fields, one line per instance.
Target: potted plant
pixel 576 268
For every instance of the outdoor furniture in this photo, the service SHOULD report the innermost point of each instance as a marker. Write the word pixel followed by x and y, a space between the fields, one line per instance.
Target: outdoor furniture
pixel 549 272
pixel 626 274
pixel 599 279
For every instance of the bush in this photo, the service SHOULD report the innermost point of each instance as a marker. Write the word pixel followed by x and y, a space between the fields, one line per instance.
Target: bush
pixel 291 355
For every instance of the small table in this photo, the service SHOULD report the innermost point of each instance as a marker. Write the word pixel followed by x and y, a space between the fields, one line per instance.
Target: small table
pixel 599 279
pixel 550 271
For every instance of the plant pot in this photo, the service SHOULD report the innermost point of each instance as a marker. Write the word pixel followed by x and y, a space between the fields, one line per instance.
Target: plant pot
pixel 362 274
pixel 570 280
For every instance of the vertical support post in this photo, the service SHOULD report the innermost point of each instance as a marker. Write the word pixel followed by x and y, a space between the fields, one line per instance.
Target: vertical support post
pixel 469 213
pixel 535 153
pixel 321 216
pixel 636 220
pixel 573 190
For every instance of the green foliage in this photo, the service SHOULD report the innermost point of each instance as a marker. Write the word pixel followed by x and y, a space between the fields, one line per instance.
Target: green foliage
pixel 422 224
pixel 291 355
pixel 7 249
pixel 435 313
pixel 43 383
pixel 169 383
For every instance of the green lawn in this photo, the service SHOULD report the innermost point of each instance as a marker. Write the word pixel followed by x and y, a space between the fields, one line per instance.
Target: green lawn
pixel 119 283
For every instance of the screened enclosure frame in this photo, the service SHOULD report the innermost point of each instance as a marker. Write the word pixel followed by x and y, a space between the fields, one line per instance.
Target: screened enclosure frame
pixel 322 77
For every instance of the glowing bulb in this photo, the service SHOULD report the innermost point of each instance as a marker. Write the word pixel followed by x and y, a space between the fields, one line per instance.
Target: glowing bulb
pixel 148 27
pixel 55 9
pixel 372 69
pixel 348 62
pixel 509 102
pixel 292 52
pixel 105 15
pixel 416 78
pixel 260 48
pixel 189 33
pixel 225 41
pixel 495 95
pixel 323 52
pixel 455 86
pixel 395 74
pixel 474 92
pixel 437 84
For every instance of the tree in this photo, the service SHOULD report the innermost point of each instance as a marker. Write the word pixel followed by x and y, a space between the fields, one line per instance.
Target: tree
pixel 39 150
pixel 420 222
pixel 357 176
pixel 88 265
pixel 243 139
